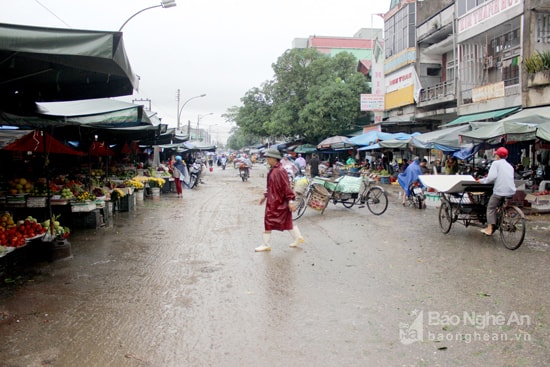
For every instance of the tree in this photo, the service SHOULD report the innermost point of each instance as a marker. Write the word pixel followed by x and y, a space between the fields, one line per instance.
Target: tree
pixel 312 96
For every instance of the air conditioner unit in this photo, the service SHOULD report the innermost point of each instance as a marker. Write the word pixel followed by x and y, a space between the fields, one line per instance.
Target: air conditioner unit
pixel 489 62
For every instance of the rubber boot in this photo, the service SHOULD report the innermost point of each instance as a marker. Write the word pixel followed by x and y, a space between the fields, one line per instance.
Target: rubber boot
pixel 298 239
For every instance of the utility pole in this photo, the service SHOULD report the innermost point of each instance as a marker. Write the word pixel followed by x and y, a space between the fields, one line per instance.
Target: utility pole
pixel 178 110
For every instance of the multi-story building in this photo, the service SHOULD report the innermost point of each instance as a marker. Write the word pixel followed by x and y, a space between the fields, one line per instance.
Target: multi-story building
pixel 402 82
pixel 469 58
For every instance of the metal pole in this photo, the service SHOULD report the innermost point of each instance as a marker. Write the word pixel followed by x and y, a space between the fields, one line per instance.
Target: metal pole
pixel 163 4
pixel 178 110
pixel 184 103
pixel 141 11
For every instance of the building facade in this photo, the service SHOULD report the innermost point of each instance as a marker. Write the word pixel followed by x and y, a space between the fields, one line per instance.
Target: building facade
pixel 469 58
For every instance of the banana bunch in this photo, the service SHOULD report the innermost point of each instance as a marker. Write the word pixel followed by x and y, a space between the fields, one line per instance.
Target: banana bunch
pixel 85 196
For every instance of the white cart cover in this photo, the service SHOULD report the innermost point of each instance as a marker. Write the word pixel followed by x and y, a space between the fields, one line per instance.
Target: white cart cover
pixel 447 183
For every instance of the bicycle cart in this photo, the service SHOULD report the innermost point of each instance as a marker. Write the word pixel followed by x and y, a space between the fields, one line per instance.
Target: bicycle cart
pixel 346 190
pixel 464 200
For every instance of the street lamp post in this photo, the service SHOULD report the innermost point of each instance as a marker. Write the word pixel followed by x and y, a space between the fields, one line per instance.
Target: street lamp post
pixel 181 109
pixel 163 4
pixel 199 118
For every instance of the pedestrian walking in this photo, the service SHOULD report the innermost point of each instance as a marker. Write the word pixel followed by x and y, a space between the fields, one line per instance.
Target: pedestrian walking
pixel 177 173
pixel 301 163
pixel 279 199
pixel 502 174
pixel 314 165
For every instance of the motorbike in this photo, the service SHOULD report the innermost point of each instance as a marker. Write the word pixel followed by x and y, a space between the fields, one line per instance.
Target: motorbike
pixel 416 198
pixel 532 177
pixel 244 172
pixel 223 163
pixel 194 174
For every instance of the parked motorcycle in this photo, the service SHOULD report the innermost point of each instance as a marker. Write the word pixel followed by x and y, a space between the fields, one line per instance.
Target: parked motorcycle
pixel 194 174
pixel 416 198
pixel 532 177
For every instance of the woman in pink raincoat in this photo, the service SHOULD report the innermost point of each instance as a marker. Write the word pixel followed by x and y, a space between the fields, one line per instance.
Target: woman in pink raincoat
pixel 280 204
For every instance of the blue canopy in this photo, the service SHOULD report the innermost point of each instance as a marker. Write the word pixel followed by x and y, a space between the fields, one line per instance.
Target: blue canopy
pixel 372 137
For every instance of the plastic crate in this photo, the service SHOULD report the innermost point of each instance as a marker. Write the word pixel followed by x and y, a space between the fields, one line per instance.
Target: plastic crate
pixel 90 219
pixel 125 203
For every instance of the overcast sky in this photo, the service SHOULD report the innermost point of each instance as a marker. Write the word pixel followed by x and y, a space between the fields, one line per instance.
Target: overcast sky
pixel 219 48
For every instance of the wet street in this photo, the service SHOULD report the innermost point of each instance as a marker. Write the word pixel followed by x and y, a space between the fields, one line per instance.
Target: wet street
pixel 176 282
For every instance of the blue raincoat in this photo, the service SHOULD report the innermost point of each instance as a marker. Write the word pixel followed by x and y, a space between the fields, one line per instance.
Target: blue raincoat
pixel 409 176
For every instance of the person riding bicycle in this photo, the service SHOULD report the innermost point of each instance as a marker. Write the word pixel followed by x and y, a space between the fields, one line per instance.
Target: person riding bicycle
pixel 409 176
pixel 502 174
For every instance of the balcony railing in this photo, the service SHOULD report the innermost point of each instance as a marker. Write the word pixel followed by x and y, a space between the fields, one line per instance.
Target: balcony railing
pixel 437 92
pixel 511 88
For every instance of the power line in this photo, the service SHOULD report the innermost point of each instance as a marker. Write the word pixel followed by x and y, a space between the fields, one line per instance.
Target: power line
pixel 52 13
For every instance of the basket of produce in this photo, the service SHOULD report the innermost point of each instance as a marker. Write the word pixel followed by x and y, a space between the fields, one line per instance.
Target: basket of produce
pixel 300 185
pixel 319 197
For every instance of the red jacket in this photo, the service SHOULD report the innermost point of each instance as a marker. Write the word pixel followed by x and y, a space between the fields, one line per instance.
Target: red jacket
pixel 277 213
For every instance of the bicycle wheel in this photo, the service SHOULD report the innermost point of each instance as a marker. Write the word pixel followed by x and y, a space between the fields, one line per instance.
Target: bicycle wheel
pixel 445 217
pixel 377 200
pixel 348 203
pixel 301 205
pixel 512 227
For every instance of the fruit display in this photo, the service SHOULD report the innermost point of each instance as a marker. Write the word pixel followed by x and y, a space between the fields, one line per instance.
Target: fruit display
pixel 85 196
pixel 53 228
pixel 98 172
pixel 66 193
pixel 39 189
pixel 15 234
pixel 19 186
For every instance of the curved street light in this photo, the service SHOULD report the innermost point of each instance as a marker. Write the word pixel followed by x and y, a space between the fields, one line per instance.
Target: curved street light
pixel 164 4
pixel 181 109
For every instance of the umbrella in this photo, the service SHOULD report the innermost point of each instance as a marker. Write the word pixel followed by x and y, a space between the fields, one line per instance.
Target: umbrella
pixel 54 64
pixel 40 142
pixel 335 142
pixel 100 149
pixel 129 148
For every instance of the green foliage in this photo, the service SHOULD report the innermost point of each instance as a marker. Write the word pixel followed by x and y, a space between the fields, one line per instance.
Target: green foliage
pixel 312 96
pixel 540 61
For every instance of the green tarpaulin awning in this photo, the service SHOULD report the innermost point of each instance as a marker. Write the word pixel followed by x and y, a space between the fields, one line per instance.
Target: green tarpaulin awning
pixel 496 114
pixel 56 64
pixel 499 132
pixel 306 148
pixel 535 115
